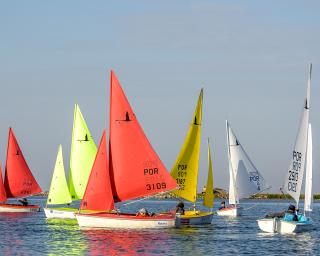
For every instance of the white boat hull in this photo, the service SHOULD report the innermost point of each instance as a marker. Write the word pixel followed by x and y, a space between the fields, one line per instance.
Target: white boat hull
pixel 275 225
pixel 194 218
pixel 230 212
pixel 124 221
pixel 56 213
pixel 18 208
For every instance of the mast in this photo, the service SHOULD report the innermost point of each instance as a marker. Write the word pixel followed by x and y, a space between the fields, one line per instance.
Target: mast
pixel 308 183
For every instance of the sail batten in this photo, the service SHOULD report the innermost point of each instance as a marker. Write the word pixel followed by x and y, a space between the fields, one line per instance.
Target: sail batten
pixel 83 152
pixel 186 167
pixel 135 168
pixel 18 181
pixel 59 191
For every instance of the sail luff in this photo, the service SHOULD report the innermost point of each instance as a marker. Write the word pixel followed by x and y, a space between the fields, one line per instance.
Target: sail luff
pixel 186 167
pixel 293 180
pixel 59 191
pixel 209 196
pixel 308 184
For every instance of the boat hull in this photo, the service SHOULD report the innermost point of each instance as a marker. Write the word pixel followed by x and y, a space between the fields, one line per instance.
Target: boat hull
pixel 60 213
pixel 276 225
pixel 124 221
pixel 194 218
pixel 19 208
pixel 230 212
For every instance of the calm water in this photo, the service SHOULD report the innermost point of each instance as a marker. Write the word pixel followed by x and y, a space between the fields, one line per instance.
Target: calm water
pixel 31 234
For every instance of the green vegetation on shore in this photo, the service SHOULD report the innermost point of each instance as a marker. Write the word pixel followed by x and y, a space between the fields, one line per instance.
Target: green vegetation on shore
pixel 220 194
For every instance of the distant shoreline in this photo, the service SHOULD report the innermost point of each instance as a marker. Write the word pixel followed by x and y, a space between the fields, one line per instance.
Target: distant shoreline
pixel 218 194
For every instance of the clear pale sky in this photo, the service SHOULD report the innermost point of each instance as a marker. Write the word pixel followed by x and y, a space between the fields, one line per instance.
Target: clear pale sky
pixel 251 57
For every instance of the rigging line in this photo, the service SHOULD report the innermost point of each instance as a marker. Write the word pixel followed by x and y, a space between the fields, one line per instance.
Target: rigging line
pixel 146 197
pixel 255 205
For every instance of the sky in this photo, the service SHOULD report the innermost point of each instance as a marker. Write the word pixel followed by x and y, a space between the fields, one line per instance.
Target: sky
pixel 251 58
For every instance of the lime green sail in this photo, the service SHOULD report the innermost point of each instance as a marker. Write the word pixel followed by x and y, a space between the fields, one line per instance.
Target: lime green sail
pixel 59 191
pixel 83 152
pixel 209 196
pixel 185 169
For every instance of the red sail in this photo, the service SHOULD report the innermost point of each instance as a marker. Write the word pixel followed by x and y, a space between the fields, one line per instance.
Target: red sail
pixel 135 168
pixel 3 195
pixel 18 181
pixel 98 195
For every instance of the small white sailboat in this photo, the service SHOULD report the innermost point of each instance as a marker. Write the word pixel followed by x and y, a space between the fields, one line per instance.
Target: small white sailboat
pixel 292 221
pixel 245 179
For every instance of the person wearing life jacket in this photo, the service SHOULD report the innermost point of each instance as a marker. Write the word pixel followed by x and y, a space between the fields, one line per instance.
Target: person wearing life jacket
pixel 180 208
pixel 293 211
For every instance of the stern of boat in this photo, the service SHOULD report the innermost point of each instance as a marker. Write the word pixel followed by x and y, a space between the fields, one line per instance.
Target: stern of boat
pixel 60 213
pixel 194 218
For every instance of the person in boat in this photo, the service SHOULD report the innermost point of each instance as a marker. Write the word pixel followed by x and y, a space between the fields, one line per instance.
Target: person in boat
pixel 24 201
pixel 143 212
pixel 293 212
pixel 180 208
pixel 222 205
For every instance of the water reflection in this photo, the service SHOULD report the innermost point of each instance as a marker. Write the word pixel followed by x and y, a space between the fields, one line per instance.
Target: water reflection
pixel 126 242
pixel 64 238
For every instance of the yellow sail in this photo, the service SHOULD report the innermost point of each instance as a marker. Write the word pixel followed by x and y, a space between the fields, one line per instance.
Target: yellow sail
pixel 185 169
pixel 209 196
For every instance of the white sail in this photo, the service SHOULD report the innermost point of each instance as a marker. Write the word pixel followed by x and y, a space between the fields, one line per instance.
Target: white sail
pixel 245 188
pixel 294 177
pixel 245 179
pixel 308 185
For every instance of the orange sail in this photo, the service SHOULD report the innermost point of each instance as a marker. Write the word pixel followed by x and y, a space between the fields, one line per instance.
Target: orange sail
pixel 135 168
pixel 3 195
pixel 18 181
pixel 98 195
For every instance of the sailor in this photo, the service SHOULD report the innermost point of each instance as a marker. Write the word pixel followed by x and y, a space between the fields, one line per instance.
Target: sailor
pixel 24 201
pixel 293 211
pixel 222 205
pixel 142 212
pixel 180 208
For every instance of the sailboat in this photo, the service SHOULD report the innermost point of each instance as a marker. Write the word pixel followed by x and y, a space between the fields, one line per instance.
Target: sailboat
pixel 186 168
pixel 133 170
pixel 19 181
pixel 245 179
pixel 83 151
pixel 292 222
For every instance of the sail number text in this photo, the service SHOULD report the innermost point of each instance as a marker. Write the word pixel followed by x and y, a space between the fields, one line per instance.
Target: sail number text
pixel 294 173
pixel 157 185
